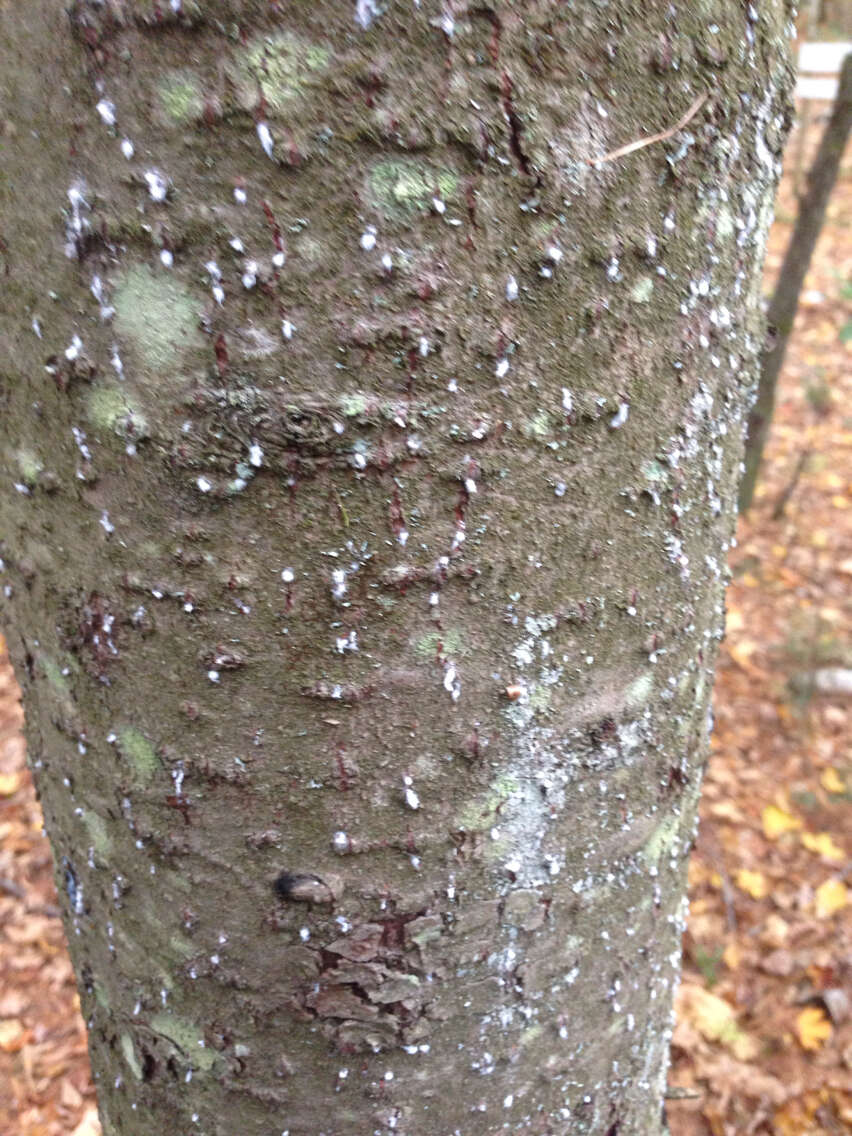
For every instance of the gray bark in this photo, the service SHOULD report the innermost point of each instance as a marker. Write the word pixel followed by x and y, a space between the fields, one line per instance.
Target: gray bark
pixel 370 454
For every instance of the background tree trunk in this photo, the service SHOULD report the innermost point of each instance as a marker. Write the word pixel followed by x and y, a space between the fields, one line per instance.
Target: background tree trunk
pixel 785 299
pixel 374 453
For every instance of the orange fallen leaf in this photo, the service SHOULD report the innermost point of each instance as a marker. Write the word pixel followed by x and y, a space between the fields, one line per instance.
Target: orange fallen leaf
pixel 829 898
pixel 778 821
pixel 822 844
pixel 813 1027
pixel 753 883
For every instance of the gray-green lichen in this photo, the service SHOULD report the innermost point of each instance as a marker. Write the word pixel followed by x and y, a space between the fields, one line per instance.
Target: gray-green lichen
pixel 139 753
pixel 400 187
pixel 181 100
pixel 156 315
pixel 111 409
pixel 279 69
pixel 187 1038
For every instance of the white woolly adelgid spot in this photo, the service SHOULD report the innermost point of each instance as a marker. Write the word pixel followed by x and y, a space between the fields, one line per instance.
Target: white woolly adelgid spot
pixel 365 12
pixel 264 134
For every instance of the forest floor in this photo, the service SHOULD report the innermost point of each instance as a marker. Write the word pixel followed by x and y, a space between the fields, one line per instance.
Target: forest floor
pixel 763 1043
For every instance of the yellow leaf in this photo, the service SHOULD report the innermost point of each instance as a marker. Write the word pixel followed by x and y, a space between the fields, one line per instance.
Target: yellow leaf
pixel 819 539
pixel 777 821
pixel 89 1125
pixel 11 1035
pixel 735 620
pixel 732 955
pixel 822 844
pixel 839 501
pixel 831 781
pixel 754 883
pixel 832 480
pixel 830 897
pixel 742 652
pixel 9 783
pixel 813 1027
pixel 715 1019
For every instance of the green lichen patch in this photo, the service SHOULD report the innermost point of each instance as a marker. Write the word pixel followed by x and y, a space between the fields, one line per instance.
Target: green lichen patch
pixel 353 404
pixel 660 841
pixel 156 315
pixel 639 692
pixel 187 1038
pixel 29 466
pixel 481 814
pixel 448 643
pixel 129 1055
pixel 539 426
pixel 642 290
pixel 180 97
pixel 280 69
pixel 138 751
pixel 53 673
pixel 655 472
pixel 113 411
pixel 401 187
pixel 99 835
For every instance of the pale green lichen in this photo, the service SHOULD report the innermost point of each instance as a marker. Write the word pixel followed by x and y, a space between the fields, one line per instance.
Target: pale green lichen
pixel 402 186
pixel 660 841
pixel 129 1055
pixel 280 68
pixel 640 690
pixel 156 315
pixel 181 945
pixel 654 471
pixel 187 1038
pixel 481 814
pixel 180 97
pixel 53 673
pixel 352 405
pixel 139 752
pixel 111 409
pixel 540 697
pixel 538 426
pixel 642 290
pixel 99 835
pixel 29 467
pixel 448 643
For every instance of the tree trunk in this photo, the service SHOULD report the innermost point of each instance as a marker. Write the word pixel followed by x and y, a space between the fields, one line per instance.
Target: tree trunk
pixel 374 432
pixel 797 259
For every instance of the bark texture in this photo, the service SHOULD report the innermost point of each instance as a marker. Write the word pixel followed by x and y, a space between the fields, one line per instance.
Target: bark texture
pixel 797 259
pixel 370 456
